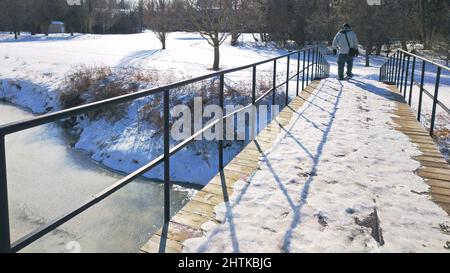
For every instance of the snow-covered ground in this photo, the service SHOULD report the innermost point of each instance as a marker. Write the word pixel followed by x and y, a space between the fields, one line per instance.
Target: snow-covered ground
pixel 33 69
pixel 338 170
pixel 42 187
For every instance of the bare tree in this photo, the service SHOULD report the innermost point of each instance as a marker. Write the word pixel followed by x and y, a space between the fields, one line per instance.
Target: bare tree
pixel 158 17
pixel 239 12
pixel 211 18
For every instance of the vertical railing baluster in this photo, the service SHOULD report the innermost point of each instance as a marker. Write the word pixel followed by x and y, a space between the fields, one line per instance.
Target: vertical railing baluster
pixel 221 104
pixel 413 69
pixel 166 157
pixel 422 79
pixel 303 71
pixel 307 67
pixel 317 62
pixel 287 78
pixel 319 66
pixel 274 81
pixel 388 69
pixel 435 101
pixel 397 67
pixel 298 74
pixel 5 240
pixel 406 76
pixel 312 64
pixel 402 70
pixel 254 99
pixel 254 85
pixel 392 68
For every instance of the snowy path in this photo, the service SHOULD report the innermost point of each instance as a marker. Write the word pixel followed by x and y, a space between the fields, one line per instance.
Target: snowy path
pixel 337 161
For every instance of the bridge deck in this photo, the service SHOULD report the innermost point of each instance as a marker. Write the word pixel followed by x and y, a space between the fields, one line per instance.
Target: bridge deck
pixel 190 221
pixel 200 210
pixel 434 169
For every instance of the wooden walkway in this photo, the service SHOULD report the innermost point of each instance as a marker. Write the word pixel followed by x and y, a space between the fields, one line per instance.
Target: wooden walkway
pixel 434 169
pixel 188 222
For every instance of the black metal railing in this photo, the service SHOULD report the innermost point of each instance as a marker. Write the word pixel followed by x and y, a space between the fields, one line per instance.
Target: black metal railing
pixel 315 66
pixel 400 70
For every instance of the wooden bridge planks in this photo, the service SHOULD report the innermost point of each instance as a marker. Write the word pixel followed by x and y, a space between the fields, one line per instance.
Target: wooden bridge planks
pixel 187 222
pixel 434 169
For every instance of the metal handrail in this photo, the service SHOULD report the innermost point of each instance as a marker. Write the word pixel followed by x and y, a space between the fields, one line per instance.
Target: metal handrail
pixel 425 59
pixel 396 71
pixel 318 66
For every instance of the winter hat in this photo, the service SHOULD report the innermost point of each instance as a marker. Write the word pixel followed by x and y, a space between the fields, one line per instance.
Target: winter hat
pixel 346 26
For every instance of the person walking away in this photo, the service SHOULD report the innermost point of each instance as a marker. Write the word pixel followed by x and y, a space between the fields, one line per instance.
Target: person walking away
pixel 345 43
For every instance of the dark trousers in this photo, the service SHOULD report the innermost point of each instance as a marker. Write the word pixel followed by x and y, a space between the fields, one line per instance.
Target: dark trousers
pixel 342 60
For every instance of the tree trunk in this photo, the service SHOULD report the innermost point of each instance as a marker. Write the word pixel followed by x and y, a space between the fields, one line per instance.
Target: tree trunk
pixel 163 42
pixel 378 52
pixel 216 57
pixel 235 38
pixel 15 35
pixel 367 58
pixel 368 52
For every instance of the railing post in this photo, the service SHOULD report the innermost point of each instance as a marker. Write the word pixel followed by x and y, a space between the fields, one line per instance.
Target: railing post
pixel 253 86
pixel 5 240
pixel 312 63
pixel 320 67
pixel 401 68
pixel 406 75
pixel 287 79
pixel 166 157
pixel 307 67
pixel 298 73
pixel 303 71
pixel 388 69
pixel 274 81
pixel 422 78
pixel 402 72
pixel 412 80
pixel 392 69
pixel 397 67
pixel 435 101
pixel 221 104
pixel 315 62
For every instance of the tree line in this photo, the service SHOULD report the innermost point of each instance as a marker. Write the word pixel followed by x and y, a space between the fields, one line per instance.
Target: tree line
pixel 280 21
pixel 91 16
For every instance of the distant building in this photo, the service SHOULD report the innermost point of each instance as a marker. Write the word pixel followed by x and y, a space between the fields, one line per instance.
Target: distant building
pixel 56 27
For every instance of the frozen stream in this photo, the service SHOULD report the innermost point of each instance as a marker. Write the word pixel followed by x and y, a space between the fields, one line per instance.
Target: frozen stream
pixel 46 178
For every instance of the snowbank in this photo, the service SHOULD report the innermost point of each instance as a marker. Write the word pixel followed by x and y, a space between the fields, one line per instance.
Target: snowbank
pixel 34 68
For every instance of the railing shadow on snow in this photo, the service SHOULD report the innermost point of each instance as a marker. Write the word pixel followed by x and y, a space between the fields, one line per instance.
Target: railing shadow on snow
pixel 303 194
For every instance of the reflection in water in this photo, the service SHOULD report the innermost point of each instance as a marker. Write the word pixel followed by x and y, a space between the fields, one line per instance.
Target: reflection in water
pixel 46 178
